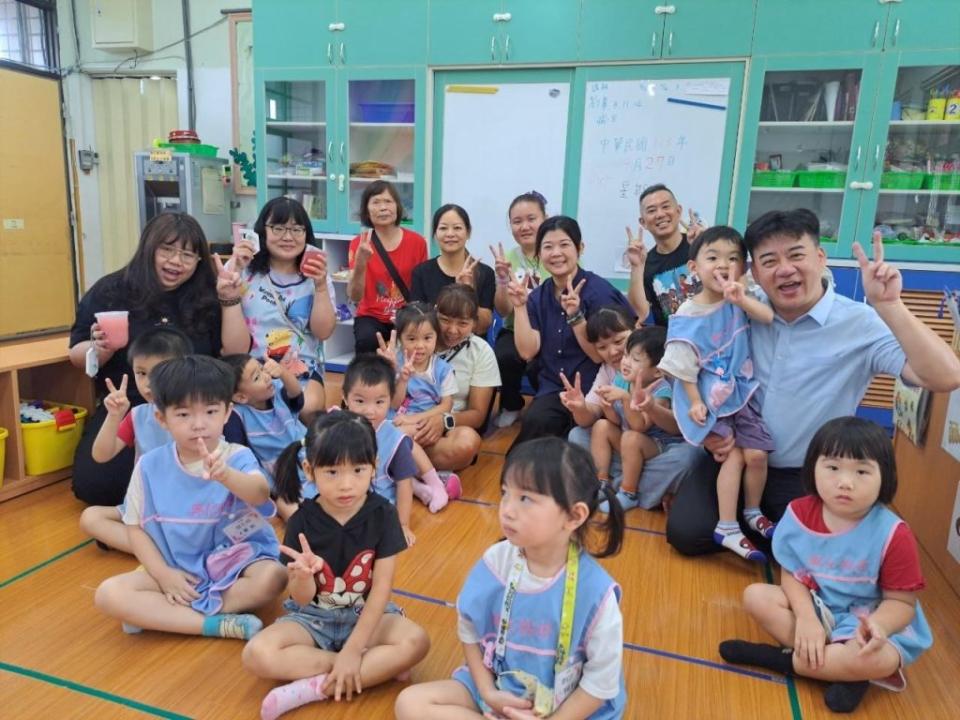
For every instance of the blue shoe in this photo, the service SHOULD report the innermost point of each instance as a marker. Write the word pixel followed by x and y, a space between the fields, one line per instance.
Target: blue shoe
pixel 627 500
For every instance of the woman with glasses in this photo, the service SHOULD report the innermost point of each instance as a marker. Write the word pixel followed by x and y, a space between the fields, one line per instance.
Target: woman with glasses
pixel 170 281
pixel 280 307
pixel 373 284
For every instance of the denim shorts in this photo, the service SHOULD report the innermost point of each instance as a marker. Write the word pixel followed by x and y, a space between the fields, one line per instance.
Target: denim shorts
pixel 329 627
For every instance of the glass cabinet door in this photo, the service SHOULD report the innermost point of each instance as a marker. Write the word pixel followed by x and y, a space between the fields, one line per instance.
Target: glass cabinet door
pixel 296 144
pixel 380 141
pixel 805 149
pixel 918 196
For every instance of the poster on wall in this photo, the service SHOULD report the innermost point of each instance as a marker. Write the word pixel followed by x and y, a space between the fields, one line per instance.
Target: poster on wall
pixel 953 540
pixel 951 427
pixel 910 411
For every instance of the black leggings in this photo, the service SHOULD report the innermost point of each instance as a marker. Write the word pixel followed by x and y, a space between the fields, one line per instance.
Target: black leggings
pixel 100 483
pixel 512 369
pixel 545 417
pixel 365 329
pixel 694 512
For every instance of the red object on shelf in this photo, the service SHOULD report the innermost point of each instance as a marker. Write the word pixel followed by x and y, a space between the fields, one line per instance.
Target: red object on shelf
pixel 183 137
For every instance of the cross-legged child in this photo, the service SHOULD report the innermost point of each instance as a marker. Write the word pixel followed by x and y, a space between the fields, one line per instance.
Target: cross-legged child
pixel 846 610
pixel 341 634
pixel 368 388
pixel 539 618
pixel 195 513
pixel 268 397
pixel 708 354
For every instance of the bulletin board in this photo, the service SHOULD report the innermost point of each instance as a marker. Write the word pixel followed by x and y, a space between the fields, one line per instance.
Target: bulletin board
pixel 638 133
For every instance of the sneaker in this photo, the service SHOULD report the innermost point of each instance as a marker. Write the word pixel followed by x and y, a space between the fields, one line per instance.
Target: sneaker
pixel 451 481
pixel 762 525
pixel 130 629
pixel 627 500
pixel 738 543
pixel 506 418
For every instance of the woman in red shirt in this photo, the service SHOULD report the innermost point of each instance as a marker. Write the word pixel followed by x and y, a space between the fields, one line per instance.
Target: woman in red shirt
pixel 372 285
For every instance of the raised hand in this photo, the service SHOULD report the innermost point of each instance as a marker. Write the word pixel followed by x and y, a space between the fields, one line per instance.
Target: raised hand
pixel 695 226
pixel 570 298
pixel 518 291
pixel 501 266
pixel 734 291
pixel 214 463
pixel 698 413
pixel 305 562
pixel 465 276
pixel 572 396
pixel 365 248
pixel 636 251
pixel 272 368
pixel 229 282
pixel 315 268
pixel 243 253
pixel 882 282
pixel 408 369
pixel 116 402
pixel 388 350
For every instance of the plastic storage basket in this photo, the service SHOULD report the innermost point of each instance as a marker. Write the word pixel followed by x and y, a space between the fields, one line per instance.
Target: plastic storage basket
pixel 375 112
pixel 821 178
pixel 49 446
pixel 192 148
pixel 774 178
pixel 902 180
pixel 942 181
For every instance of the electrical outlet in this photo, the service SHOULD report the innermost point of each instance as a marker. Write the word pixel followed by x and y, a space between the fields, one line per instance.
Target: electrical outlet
pixel 87 159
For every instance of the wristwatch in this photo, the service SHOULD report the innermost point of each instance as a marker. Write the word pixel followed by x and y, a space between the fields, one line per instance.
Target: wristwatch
pixel 449 422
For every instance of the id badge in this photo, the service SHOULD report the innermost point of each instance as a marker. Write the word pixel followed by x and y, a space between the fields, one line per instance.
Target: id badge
pixel 244 526
pixel 565 682
pixel 92 362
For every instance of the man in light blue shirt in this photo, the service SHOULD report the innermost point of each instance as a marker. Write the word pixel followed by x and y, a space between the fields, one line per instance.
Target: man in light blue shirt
pixel 814 362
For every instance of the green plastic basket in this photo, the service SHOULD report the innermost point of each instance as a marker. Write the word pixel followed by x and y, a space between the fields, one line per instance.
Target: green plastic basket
pixel 774 178
pixel 942 181
pixel 192 148
pixel 821 178
pixel 902 180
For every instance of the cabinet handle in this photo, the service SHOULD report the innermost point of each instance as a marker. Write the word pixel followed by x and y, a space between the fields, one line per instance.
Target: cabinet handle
pixel 342 144
pixel 856 159
pixel 340 183
pixel 896 31
pixel 502 17
pixel 876 33
pixel 493 47
pixel 856 185
pixel 342 56
pixel 330 152
pixel 665 9
pixel 506 49
pixel 670 43
pixel 653 43
pixel 334 27
pixel 876 157
pixel 330 53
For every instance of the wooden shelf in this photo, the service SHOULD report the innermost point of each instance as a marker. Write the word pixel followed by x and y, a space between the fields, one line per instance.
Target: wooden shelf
pixel 924 123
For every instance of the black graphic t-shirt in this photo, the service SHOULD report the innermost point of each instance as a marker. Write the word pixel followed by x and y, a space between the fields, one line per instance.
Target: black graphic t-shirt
pixel 667 282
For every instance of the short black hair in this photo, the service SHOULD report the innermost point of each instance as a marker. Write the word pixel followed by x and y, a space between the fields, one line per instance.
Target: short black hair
pixel 163 342
pixel 857 439
pixel 444 209
pixel 715 234
pixel 194 378
pixel 416 313
pixel 650 190
pixel 278 211
pixel 564 224
pixel 793 223
pixel 608 320
pixel 375 188
pixel 458 301
pixel 237 363
pixel 651 339
pixel 370 370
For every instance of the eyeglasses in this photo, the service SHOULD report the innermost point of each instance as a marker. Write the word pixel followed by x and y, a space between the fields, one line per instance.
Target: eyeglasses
pixel 169 252
pixel 294 231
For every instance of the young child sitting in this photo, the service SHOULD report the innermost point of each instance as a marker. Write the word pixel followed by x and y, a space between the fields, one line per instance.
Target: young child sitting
pixel 708 354
pixel 539 618
pixel 847 602
pixel 268 397
pixel 638 418
pixel 368 387
pixel 136 427
pixel 425 386
pixel 341 634
pixel 195 514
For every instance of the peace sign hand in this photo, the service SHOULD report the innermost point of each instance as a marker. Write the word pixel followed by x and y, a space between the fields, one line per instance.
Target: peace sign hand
pixel 695 226
pixel 733 291
pixel 636 250
pixel 365 248
pixel 465 276
pixel 408 370
pixel 229 283
pixel 305 563
pixel 214 463
pixel 116 402
pixel 882 282
pixel 501 266
pixel 570 298
pixel 388 350
pixel 572 396
pixel 518 291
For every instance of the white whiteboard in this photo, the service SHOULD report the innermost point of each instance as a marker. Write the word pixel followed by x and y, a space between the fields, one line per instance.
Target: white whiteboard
pixel 500 141
pixel 638 133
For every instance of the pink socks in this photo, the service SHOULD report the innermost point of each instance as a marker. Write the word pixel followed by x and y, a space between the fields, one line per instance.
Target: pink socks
pixel 439 498
pixel 292 695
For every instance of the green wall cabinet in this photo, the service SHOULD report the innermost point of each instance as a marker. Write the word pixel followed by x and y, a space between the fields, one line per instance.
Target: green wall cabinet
pixel 788 27
pixel 923 25
pixel 707 28
pixel 376 32
pixel 619 30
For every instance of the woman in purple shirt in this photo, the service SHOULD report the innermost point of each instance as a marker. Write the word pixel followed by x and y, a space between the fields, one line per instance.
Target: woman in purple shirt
pixel 550 324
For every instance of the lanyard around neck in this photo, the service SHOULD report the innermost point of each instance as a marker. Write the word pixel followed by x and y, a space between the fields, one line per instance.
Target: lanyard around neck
pixel 566 612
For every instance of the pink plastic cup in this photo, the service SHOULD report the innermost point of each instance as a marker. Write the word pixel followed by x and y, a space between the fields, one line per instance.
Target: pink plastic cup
pixel 310 254
pixel 237 228
pixel 116 326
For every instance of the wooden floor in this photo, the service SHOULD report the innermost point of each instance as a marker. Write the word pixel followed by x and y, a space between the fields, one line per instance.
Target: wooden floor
pixel 60 658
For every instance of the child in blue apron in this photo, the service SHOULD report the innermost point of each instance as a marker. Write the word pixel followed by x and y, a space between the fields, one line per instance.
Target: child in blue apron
pixel 847 600
pixel 196 514
pixel 539 618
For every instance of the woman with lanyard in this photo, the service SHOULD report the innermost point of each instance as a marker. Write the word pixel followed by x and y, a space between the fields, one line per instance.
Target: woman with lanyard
pixel 382 260
pixel 452 440
pixel 526 213
pixel 277 304
pixel 551 324
pixel 454 264
pixel 169 281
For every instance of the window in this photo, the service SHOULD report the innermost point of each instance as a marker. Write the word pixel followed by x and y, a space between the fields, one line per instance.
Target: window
pixel 26 33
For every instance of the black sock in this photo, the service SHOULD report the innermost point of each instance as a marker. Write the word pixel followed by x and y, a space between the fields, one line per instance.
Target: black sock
pixel 844 697
pixel 771 657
